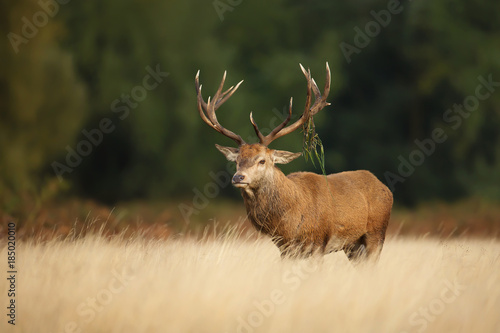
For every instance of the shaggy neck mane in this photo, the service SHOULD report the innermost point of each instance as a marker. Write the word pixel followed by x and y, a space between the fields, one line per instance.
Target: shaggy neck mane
pixel 267 204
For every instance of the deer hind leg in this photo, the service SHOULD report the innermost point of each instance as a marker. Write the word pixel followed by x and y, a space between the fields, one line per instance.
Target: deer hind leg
pixel 374 244
pixel 357 251
pixel 375 238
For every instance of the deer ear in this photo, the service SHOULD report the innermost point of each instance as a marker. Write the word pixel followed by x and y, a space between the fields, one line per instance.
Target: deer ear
pixel 284 157
pixel 230 152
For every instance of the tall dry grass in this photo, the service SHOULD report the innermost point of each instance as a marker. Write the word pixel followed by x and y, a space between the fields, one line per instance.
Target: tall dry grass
pixel 235 283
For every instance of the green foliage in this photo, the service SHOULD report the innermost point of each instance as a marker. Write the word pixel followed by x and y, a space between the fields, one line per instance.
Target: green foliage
pixel 91 55
pixel 311 142
pixel 42 103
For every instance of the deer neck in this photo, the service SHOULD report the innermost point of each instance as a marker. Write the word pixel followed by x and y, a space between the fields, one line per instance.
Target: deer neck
pixel 269 202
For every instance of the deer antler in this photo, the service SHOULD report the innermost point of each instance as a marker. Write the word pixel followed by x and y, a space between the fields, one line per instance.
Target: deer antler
pixel 309 111
pixel 207 109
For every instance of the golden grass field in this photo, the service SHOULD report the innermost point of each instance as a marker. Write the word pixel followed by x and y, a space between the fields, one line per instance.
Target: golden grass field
pixel 231 281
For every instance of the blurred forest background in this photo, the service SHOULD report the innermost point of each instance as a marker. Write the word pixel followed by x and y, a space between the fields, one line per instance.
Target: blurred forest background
pixel 125 69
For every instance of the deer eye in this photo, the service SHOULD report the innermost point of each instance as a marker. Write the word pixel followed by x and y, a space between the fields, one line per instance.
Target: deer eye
pixel 262 161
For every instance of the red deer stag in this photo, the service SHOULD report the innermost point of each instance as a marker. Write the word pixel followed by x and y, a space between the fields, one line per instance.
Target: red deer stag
pixel 303 212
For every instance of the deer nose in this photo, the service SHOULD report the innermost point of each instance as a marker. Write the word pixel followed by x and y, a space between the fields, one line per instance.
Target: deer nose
pixel 238 178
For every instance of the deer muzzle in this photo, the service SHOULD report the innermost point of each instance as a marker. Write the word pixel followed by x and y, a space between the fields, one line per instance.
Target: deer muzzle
pixel 239 180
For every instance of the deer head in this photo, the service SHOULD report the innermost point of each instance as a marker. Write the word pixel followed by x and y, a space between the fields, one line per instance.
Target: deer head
pixel 255 163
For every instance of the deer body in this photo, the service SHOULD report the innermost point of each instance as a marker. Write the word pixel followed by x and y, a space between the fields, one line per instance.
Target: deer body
pixel 307 213
pixel 344 218
pixel 304 213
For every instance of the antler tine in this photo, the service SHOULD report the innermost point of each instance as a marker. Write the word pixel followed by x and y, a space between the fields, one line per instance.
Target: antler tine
pixel 201 103
pixel 228 93
pixel 256 128
pixel 308 97
pixel 219 90
pixel 319 103
pixel 307 74
pixel 207 109
pixel 271 136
